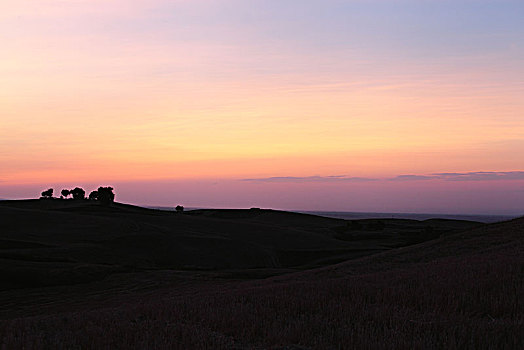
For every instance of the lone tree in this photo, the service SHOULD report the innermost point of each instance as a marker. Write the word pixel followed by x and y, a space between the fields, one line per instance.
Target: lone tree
pixel 48 193
pixel 93 196
pixel 179 208
pixel 65 193
pixel 106 195
pixel 78 193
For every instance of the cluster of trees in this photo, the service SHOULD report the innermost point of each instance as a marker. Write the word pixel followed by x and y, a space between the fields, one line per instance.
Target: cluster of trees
pixel 102 194
pixel 47 193
pixel 76 193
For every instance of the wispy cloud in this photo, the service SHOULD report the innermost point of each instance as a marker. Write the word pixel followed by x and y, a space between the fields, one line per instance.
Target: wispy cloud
pixel 411 177
pixel 481 176
pixel 449 176
pixel 331 178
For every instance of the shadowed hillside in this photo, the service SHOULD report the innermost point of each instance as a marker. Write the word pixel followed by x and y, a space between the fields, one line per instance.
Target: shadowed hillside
pixel 50 242
pixel 461 289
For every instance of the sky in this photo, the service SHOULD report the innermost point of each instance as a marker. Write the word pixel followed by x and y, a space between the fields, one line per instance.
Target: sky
pixel 355 105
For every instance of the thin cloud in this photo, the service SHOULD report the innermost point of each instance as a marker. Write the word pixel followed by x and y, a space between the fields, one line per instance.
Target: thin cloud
pixel 412 178
pixel 446 176
pixel 482 176
pixel 331 178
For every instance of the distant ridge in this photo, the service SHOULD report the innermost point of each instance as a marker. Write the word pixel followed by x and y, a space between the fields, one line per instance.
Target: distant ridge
pixel 411 216
pixel 350 215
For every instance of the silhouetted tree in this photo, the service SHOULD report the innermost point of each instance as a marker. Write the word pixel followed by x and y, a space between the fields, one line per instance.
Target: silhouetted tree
pixel 179 208
pixel 106 195
pixel 65 193
pixel 93 196
pixel 78 193
pixel 48 193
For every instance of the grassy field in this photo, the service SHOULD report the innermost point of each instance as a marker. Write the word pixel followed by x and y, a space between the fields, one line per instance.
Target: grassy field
pixel 86 276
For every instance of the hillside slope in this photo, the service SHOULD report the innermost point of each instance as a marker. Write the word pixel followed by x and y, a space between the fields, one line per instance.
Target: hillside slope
pixel 51 242
pixel 495 241
pixel 461 291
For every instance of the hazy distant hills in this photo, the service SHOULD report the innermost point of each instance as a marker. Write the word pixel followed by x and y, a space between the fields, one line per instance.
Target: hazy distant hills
pixel 348 215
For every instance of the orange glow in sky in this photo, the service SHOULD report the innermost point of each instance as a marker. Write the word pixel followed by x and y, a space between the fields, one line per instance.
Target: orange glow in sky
pixel 114 91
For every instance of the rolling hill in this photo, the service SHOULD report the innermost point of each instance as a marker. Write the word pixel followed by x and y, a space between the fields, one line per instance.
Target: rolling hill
pixel 459 287
pixel 51 242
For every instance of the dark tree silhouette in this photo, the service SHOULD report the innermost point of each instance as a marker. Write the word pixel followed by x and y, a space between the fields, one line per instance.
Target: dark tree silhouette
pixel 48 193
pixel 179 208
pixel 106 195
pixel 93 196
pixel 65 193
pixel 78 193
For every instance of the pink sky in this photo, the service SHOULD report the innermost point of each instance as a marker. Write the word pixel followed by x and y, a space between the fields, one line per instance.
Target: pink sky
pixel 175 96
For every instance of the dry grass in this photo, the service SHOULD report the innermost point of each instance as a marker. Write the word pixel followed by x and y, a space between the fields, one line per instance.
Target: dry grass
pixel 462 297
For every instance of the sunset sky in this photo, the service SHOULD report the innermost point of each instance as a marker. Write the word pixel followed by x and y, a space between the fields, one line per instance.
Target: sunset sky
pixel 355 105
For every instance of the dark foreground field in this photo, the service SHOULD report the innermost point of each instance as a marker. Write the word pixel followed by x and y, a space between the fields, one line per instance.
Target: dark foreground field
pixel 80 275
